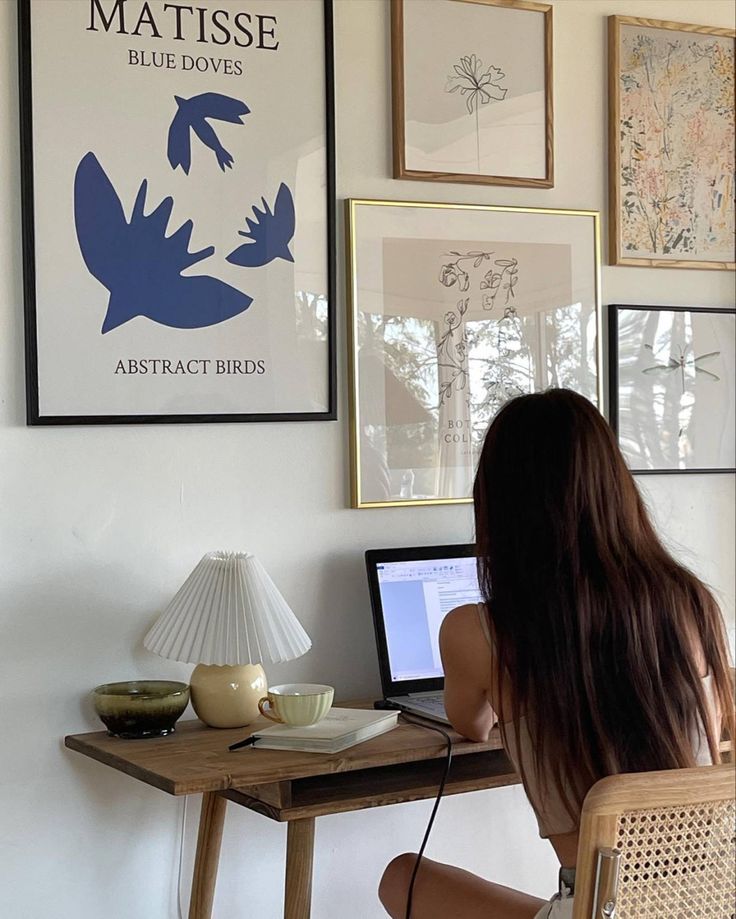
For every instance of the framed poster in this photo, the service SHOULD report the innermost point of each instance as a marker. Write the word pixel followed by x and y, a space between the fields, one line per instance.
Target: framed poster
pixel 671 144
pixel 472 91
pixel 673 387
pixel 454 310
pixel 178 199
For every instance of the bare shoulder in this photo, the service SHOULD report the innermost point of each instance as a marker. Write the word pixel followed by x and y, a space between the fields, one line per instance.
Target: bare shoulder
pixel 463 643
pixel 462 617
pixel 461 627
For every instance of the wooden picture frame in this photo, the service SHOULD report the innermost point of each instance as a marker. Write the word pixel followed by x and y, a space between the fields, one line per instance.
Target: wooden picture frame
pixel 671 387
pixel 541 138
pixel 658 230
pixel 454 309
pixel 132 191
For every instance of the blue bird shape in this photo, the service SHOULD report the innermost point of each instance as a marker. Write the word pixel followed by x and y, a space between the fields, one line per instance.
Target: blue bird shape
pixel 270 233
pixel 191 113
pixel 139 265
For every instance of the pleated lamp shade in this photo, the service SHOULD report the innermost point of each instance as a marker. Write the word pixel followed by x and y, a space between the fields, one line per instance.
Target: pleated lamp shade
pixel 228 611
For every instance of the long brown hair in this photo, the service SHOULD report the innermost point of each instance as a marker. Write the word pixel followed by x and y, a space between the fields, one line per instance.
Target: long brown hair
pixel 598 630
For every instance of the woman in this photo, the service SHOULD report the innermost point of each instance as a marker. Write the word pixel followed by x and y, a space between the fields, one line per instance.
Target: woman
pixel 595 650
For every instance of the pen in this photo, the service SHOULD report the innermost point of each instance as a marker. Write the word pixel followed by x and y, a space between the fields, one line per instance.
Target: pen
pixel 248 742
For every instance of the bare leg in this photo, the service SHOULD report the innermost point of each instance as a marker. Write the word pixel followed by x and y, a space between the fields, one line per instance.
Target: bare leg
pixel 441 891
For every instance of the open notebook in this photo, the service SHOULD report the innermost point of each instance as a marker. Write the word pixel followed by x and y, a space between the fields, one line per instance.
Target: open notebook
pixel 339 729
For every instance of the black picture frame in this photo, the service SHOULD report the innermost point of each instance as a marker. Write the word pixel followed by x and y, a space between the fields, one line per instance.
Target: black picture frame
pixel 613 377
pixel 33 416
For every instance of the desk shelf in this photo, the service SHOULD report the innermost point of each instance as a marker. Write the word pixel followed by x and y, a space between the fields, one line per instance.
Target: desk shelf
pixel 316 796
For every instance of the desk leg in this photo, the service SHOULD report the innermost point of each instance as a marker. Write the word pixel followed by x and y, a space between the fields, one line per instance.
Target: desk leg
pixel 211 822
pixel 299 854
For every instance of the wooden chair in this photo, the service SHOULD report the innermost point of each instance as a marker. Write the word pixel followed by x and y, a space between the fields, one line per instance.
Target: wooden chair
pixel 658 845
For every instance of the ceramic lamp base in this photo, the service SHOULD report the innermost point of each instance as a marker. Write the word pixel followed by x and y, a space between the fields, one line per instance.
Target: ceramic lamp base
pixel 227 697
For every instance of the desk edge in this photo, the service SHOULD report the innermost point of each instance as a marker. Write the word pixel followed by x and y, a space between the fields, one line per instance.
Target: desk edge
pixel 121 765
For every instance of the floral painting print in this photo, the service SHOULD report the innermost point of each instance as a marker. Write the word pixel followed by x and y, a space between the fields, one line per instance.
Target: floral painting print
pixel 674 92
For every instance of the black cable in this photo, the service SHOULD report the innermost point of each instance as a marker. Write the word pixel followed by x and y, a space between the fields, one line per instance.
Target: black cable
pixel 448 740
pixel 448 761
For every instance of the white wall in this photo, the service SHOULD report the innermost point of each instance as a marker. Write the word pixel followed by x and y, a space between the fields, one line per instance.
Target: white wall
pixel 98 526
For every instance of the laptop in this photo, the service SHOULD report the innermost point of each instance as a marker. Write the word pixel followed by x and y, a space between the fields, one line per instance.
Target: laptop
pixel 412 590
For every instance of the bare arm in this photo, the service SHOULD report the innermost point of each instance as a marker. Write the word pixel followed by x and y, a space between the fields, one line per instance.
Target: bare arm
pixel 467 661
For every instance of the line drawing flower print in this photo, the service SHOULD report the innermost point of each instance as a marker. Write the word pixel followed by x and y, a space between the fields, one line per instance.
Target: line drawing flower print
pixel 453 273
pixel 505 279
pixel 452 352
pixel 477 87
pixel 453 346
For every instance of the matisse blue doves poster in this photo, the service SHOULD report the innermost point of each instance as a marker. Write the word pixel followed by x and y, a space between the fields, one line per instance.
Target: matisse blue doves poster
pixel 178 196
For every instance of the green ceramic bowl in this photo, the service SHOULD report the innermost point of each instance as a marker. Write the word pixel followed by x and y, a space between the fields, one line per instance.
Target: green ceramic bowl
pixel 140 708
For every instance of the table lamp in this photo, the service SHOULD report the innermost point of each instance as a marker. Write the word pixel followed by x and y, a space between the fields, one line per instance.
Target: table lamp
pixel 227 618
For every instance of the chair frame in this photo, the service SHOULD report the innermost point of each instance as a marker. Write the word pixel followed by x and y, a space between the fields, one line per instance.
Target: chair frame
pixel 620 794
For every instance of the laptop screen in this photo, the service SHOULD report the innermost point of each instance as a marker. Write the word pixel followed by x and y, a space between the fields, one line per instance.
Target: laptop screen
pixel 415 596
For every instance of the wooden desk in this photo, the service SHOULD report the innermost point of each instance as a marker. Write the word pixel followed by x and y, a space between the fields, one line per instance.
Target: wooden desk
pixel 405 764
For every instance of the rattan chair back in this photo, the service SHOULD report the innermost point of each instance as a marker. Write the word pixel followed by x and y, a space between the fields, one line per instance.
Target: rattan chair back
pixel 674 831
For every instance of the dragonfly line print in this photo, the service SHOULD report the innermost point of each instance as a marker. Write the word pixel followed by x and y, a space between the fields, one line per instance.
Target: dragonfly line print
pixel 682 361
pixel 477 87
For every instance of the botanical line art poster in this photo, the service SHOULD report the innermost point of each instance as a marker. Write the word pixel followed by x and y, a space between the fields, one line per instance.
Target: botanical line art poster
pixel 448 328
pixel 673 387
pixel 177 226
pixel 476 105
pixel 672 145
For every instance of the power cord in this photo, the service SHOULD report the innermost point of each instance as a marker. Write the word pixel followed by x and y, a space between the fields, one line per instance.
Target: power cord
pixel 181 857
pixel 448 762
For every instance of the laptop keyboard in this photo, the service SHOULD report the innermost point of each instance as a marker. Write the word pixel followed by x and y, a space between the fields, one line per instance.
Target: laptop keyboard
pixel 431 705
pixel 436 705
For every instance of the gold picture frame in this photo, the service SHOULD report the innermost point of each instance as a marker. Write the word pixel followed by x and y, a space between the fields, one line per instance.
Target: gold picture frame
pixel 651 226
pixel 397 419
pixel 474 99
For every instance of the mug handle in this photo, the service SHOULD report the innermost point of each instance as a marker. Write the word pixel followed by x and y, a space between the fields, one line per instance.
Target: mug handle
pixel 266 712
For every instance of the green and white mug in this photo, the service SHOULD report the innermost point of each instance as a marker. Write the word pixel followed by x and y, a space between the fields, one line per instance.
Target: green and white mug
pixel 297 703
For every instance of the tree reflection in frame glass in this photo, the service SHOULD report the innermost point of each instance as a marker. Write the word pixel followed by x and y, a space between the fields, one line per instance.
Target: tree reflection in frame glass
pixel 454 309
pixel 672 371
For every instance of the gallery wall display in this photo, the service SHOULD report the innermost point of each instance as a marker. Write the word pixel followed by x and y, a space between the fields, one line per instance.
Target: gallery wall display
pixel 671 144
pixel 472 91
pixel 453 310
pixel 178 199
pixel 673 387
